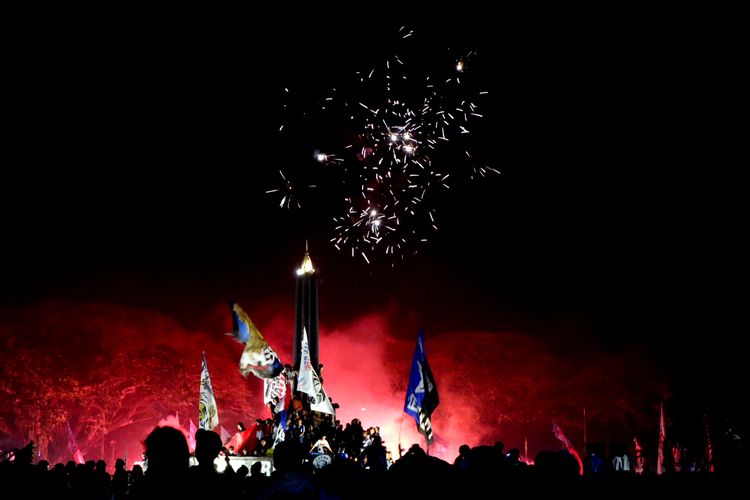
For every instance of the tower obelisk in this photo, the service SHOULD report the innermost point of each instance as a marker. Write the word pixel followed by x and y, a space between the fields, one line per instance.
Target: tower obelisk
pixel 306 312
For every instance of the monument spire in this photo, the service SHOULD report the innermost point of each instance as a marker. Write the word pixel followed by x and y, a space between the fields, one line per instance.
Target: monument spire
pixel 306 311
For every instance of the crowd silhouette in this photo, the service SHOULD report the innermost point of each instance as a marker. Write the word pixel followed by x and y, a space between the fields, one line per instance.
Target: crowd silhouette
pixel 360 466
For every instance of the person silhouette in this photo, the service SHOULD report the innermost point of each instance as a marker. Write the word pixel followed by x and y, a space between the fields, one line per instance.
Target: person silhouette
pixel 167 458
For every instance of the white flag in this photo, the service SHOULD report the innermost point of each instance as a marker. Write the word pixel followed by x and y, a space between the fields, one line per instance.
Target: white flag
pixel 322 403
pixel 309 382
pixel 306 370
pixel 207 410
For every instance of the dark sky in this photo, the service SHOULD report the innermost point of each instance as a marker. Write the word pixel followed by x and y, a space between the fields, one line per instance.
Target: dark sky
pixel 138 156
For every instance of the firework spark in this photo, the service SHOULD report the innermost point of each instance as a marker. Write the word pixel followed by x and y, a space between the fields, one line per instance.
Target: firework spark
pixel 401 120
pixel 289 192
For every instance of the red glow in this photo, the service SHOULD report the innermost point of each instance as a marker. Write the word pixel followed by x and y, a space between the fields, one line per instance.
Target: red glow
pixel 116 372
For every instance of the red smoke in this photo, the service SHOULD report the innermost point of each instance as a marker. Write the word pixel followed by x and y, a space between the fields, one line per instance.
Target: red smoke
pixel 492 386
pixel 115 372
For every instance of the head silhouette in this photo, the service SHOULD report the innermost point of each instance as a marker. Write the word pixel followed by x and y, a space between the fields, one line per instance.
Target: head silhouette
pixel 207 447
pixel 167 452
pixel 286 456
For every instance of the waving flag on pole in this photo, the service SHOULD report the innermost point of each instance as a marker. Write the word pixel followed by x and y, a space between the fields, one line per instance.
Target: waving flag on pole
pixel 283 405
pixel 308 381
pixel 278 393
pixel 208 413
pixel 224 434
pixel 421 394
pixel 709 450
pixel 274 389
pixel 305 374
pixel 662 437
pixel 73 449
pixel 246 440
pixel 258 357
pixel 322 402
pixel 568 445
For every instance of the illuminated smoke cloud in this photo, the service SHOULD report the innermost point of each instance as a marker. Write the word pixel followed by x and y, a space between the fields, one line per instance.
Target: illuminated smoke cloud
pixel 116 372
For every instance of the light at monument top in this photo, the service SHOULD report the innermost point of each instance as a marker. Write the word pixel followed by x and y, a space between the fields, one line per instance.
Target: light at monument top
pixel 307 267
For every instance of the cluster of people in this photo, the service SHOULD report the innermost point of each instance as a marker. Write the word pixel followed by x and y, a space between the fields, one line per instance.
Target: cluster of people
pixel 357 466
pixel 315 432
pixel 257 441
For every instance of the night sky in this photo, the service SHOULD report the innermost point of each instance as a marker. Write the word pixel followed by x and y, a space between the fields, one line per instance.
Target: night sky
pixel 138 157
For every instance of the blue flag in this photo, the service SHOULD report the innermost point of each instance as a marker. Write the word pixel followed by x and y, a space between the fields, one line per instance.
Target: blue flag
pixel 258 357
pixel 421 394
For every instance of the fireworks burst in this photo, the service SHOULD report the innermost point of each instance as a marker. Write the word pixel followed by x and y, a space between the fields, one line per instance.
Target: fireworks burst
pixel 289 192
pixel 401 120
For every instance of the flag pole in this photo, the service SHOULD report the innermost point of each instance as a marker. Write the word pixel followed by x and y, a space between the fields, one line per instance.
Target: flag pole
pixel 662 437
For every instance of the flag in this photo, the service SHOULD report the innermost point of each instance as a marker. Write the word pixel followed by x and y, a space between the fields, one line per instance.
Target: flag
pixel 662 437
pixel 279 436
pixel 274 389
pixel 322 402
pixel 258 357
pixel 282 407
pixel 709 450
pixel 305 375
pixel 224 434
pixel 421 394
pixel 308 381
pixel 208 413
pixel 73 449
pixel 234 442
pixel 191 437
pixel 278 392
pixel 248 440
pixel 568 445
